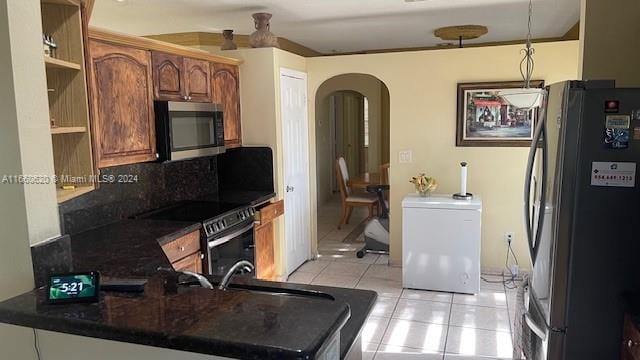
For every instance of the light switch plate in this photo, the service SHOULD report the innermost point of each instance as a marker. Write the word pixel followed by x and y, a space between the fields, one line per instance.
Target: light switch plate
pixel 405 156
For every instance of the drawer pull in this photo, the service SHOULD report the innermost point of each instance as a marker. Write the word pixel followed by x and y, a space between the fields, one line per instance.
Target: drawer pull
pixel 630 343
pixel 182 248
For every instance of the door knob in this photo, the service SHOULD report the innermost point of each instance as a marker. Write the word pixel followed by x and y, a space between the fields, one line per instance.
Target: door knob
pixel 290 188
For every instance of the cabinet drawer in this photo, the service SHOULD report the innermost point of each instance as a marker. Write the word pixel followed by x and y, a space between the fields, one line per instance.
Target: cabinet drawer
pixel 182 247
pixel 269 212
pixel 191 263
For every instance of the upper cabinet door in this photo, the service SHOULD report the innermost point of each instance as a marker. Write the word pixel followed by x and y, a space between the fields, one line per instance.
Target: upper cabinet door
pixel 121 104
pixel 226 91
pixel 168 76
pixel 197 80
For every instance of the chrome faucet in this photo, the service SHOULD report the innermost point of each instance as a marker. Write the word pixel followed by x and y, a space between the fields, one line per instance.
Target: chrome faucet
pixel 240 265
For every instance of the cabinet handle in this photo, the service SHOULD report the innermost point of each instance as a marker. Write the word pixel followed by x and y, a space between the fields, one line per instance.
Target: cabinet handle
pixel 182 248
pixel 189 97
pixel 185 97
pixel 630 343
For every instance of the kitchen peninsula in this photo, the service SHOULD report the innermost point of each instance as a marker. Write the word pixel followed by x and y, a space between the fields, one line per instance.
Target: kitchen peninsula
pixel 252 319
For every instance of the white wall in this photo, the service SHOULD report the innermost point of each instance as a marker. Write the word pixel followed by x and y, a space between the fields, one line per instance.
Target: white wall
pixel 260 108
pixel 422 89
pixel 28 213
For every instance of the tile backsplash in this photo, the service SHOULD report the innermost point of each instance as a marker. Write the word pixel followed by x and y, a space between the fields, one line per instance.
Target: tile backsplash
pixel 155 185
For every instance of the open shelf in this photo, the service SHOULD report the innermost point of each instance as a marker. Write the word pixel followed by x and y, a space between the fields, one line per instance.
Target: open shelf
pixel 68 130
pixel 64 195
pixel 53 63
pixel 67 95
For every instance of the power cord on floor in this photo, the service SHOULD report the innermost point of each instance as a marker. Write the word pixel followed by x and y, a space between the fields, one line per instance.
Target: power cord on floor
pixel 36 346
pixel 509 281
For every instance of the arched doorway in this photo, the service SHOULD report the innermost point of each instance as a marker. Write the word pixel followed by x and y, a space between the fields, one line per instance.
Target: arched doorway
pixel 352 121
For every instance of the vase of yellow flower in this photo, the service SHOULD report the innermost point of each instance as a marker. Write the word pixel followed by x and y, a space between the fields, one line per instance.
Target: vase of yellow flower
pixel 424 184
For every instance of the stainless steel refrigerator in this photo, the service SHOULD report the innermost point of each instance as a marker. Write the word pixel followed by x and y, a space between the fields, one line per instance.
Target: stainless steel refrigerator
pixel 583 214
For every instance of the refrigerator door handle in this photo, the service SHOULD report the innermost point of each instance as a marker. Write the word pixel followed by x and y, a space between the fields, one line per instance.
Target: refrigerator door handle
pixel 527 187
pixel 543 188
pixel 535 328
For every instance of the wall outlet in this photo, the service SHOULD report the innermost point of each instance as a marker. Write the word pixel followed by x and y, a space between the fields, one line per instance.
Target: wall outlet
pixel 509 237
pixel 405 156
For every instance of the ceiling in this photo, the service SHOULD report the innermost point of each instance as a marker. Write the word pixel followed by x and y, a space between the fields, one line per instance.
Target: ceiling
pixel 331 26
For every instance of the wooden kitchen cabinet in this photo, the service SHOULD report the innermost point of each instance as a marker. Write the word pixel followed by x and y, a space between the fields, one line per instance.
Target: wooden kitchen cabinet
pixel 226 91
pixel 122 104
pixel 197 80
pixel 184 252
pixel 168 76
pixel 176 78
pixel 265 253
pixel 265 239
pixel 191 263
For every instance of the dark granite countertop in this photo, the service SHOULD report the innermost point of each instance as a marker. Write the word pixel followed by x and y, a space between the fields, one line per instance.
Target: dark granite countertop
pixel 127 248
pixel 232 323
pixel 132 248
pixel 249 197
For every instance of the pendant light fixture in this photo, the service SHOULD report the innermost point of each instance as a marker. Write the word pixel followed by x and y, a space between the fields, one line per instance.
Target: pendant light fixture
pixel 527 97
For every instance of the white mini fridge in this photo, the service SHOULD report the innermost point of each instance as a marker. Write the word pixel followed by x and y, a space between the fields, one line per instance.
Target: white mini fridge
pixel 441 243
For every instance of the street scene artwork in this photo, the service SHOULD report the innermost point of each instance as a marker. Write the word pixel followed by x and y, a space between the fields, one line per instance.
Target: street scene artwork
pixel 485 119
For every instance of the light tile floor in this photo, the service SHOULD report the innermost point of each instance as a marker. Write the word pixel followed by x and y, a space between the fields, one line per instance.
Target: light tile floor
pixel 411 324
pixel 415 324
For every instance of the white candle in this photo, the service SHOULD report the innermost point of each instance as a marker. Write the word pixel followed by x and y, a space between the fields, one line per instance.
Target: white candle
pixel 463 178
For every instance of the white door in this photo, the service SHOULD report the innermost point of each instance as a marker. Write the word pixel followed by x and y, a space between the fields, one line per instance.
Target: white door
pixel 295 141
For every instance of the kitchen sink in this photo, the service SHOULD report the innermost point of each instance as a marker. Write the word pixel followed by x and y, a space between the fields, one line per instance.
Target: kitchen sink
pixel 272 290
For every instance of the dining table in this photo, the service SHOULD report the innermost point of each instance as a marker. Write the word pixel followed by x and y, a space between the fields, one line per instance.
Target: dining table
pixel 363 180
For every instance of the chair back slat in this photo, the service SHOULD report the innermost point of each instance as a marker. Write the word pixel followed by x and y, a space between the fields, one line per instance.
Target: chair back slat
pixel 342 176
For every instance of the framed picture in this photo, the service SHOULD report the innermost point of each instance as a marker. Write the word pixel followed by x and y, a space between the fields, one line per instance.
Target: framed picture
pixel 485 119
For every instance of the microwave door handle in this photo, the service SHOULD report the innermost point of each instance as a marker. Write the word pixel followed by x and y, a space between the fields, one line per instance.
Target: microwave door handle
pixel 227 238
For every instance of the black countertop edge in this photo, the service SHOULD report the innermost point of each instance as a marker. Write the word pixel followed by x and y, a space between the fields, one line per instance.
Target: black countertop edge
pixel 248 197
pixel 159 340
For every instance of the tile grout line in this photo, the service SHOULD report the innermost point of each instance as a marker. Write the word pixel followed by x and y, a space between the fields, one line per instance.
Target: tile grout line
pixel 446 337
pixel 389 323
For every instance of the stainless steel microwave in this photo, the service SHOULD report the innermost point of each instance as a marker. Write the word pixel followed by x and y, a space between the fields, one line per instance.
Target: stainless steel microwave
pixel 186 130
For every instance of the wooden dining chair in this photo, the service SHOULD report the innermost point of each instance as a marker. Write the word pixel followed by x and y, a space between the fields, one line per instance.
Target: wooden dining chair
pixel 350 199
pixel 384 180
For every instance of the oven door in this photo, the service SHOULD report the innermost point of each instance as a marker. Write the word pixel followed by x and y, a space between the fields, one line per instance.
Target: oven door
pixel 225 249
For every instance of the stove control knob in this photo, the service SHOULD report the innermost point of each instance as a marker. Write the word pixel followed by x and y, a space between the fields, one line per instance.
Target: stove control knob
pixel 252 211
pixel 221 225
pixel 215 227
pixel 241 215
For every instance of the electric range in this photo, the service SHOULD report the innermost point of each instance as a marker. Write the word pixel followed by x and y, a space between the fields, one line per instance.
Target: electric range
pixel 227 235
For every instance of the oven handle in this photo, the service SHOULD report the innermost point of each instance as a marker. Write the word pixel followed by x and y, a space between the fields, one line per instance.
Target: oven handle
pixel 224 239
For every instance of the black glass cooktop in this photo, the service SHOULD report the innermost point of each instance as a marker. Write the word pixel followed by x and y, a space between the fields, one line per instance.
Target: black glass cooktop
pixel 193 211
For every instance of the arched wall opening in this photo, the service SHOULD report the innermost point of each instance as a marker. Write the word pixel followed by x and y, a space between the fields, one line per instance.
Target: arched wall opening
pixel 353 121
